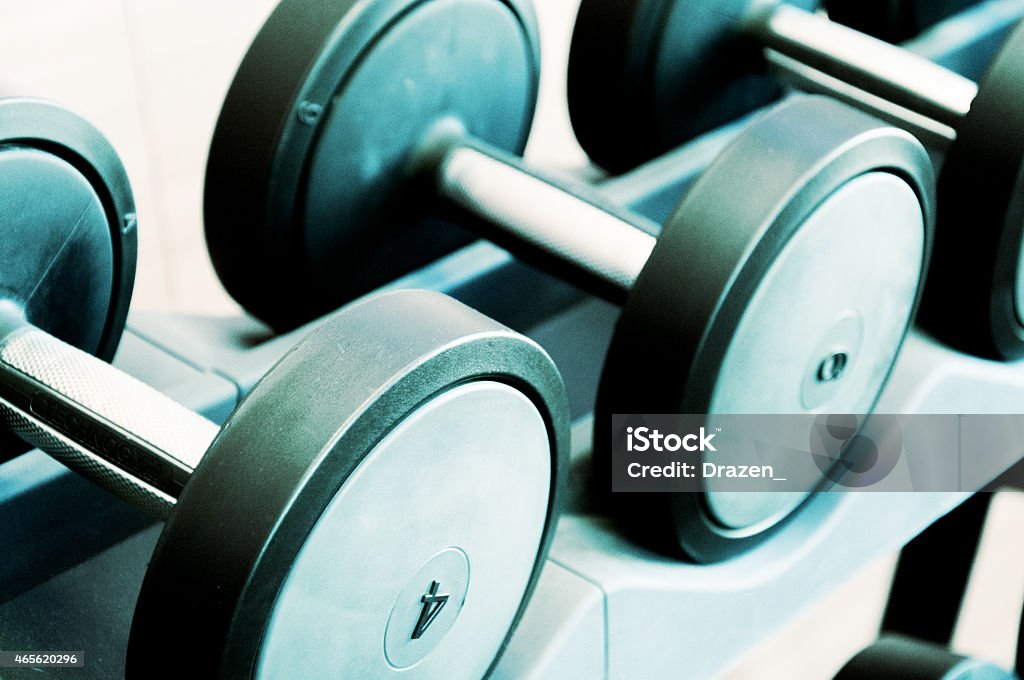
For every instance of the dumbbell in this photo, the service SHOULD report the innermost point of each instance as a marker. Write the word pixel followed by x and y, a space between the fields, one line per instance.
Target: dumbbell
pixel 85 305
pixel 894 20
pixel 379 505
pixel 644 76
pixel 898 657
pixel 784 282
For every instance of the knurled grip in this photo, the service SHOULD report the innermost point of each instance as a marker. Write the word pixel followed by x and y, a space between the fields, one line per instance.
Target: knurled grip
pixel 101 472
pixel 110 427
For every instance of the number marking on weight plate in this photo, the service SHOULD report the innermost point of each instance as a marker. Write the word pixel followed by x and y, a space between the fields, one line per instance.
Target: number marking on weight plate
pixel 432 606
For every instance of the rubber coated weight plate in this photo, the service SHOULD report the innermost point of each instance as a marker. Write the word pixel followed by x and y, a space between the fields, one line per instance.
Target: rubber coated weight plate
pixel 894 20
pixel 367 466
pixel 315 135
pixel 825 253
pixel 56 164
pixel 67 229
pixel 896 657
pixel 648 75
pixel 979 232
pixel 978 246
pixel 56 244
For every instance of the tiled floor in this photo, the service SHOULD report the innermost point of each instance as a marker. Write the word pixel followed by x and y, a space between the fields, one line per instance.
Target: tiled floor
pixel 151 75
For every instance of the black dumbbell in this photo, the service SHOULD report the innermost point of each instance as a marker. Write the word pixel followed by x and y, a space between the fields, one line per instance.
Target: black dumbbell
pixel 696 65
pixel 896 657
pixel 85 305
pixel 894 20
pixel 381 502
pixel 802 247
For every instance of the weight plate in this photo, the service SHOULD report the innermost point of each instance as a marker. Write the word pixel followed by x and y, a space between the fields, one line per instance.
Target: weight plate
pixel 56 246
pixel 409 441
pixel 68 238
pixel 975 294
pixel 311 154
pixel 648 75
pixel 896 657
pixel 827 249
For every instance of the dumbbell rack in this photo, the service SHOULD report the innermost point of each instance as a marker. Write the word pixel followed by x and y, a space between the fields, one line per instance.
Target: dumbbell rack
pixel 73 557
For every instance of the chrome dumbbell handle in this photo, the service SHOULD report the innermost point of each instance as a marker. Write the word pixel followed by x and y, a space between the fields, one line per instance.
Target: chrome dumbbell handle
pixel 797 40
pixel 597 245
pixel 113 429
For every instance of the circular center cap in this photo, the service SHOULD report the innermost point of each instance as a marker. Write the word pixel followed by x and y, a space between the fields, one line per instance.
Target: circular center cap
pixel 832 358
pixel 427 608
